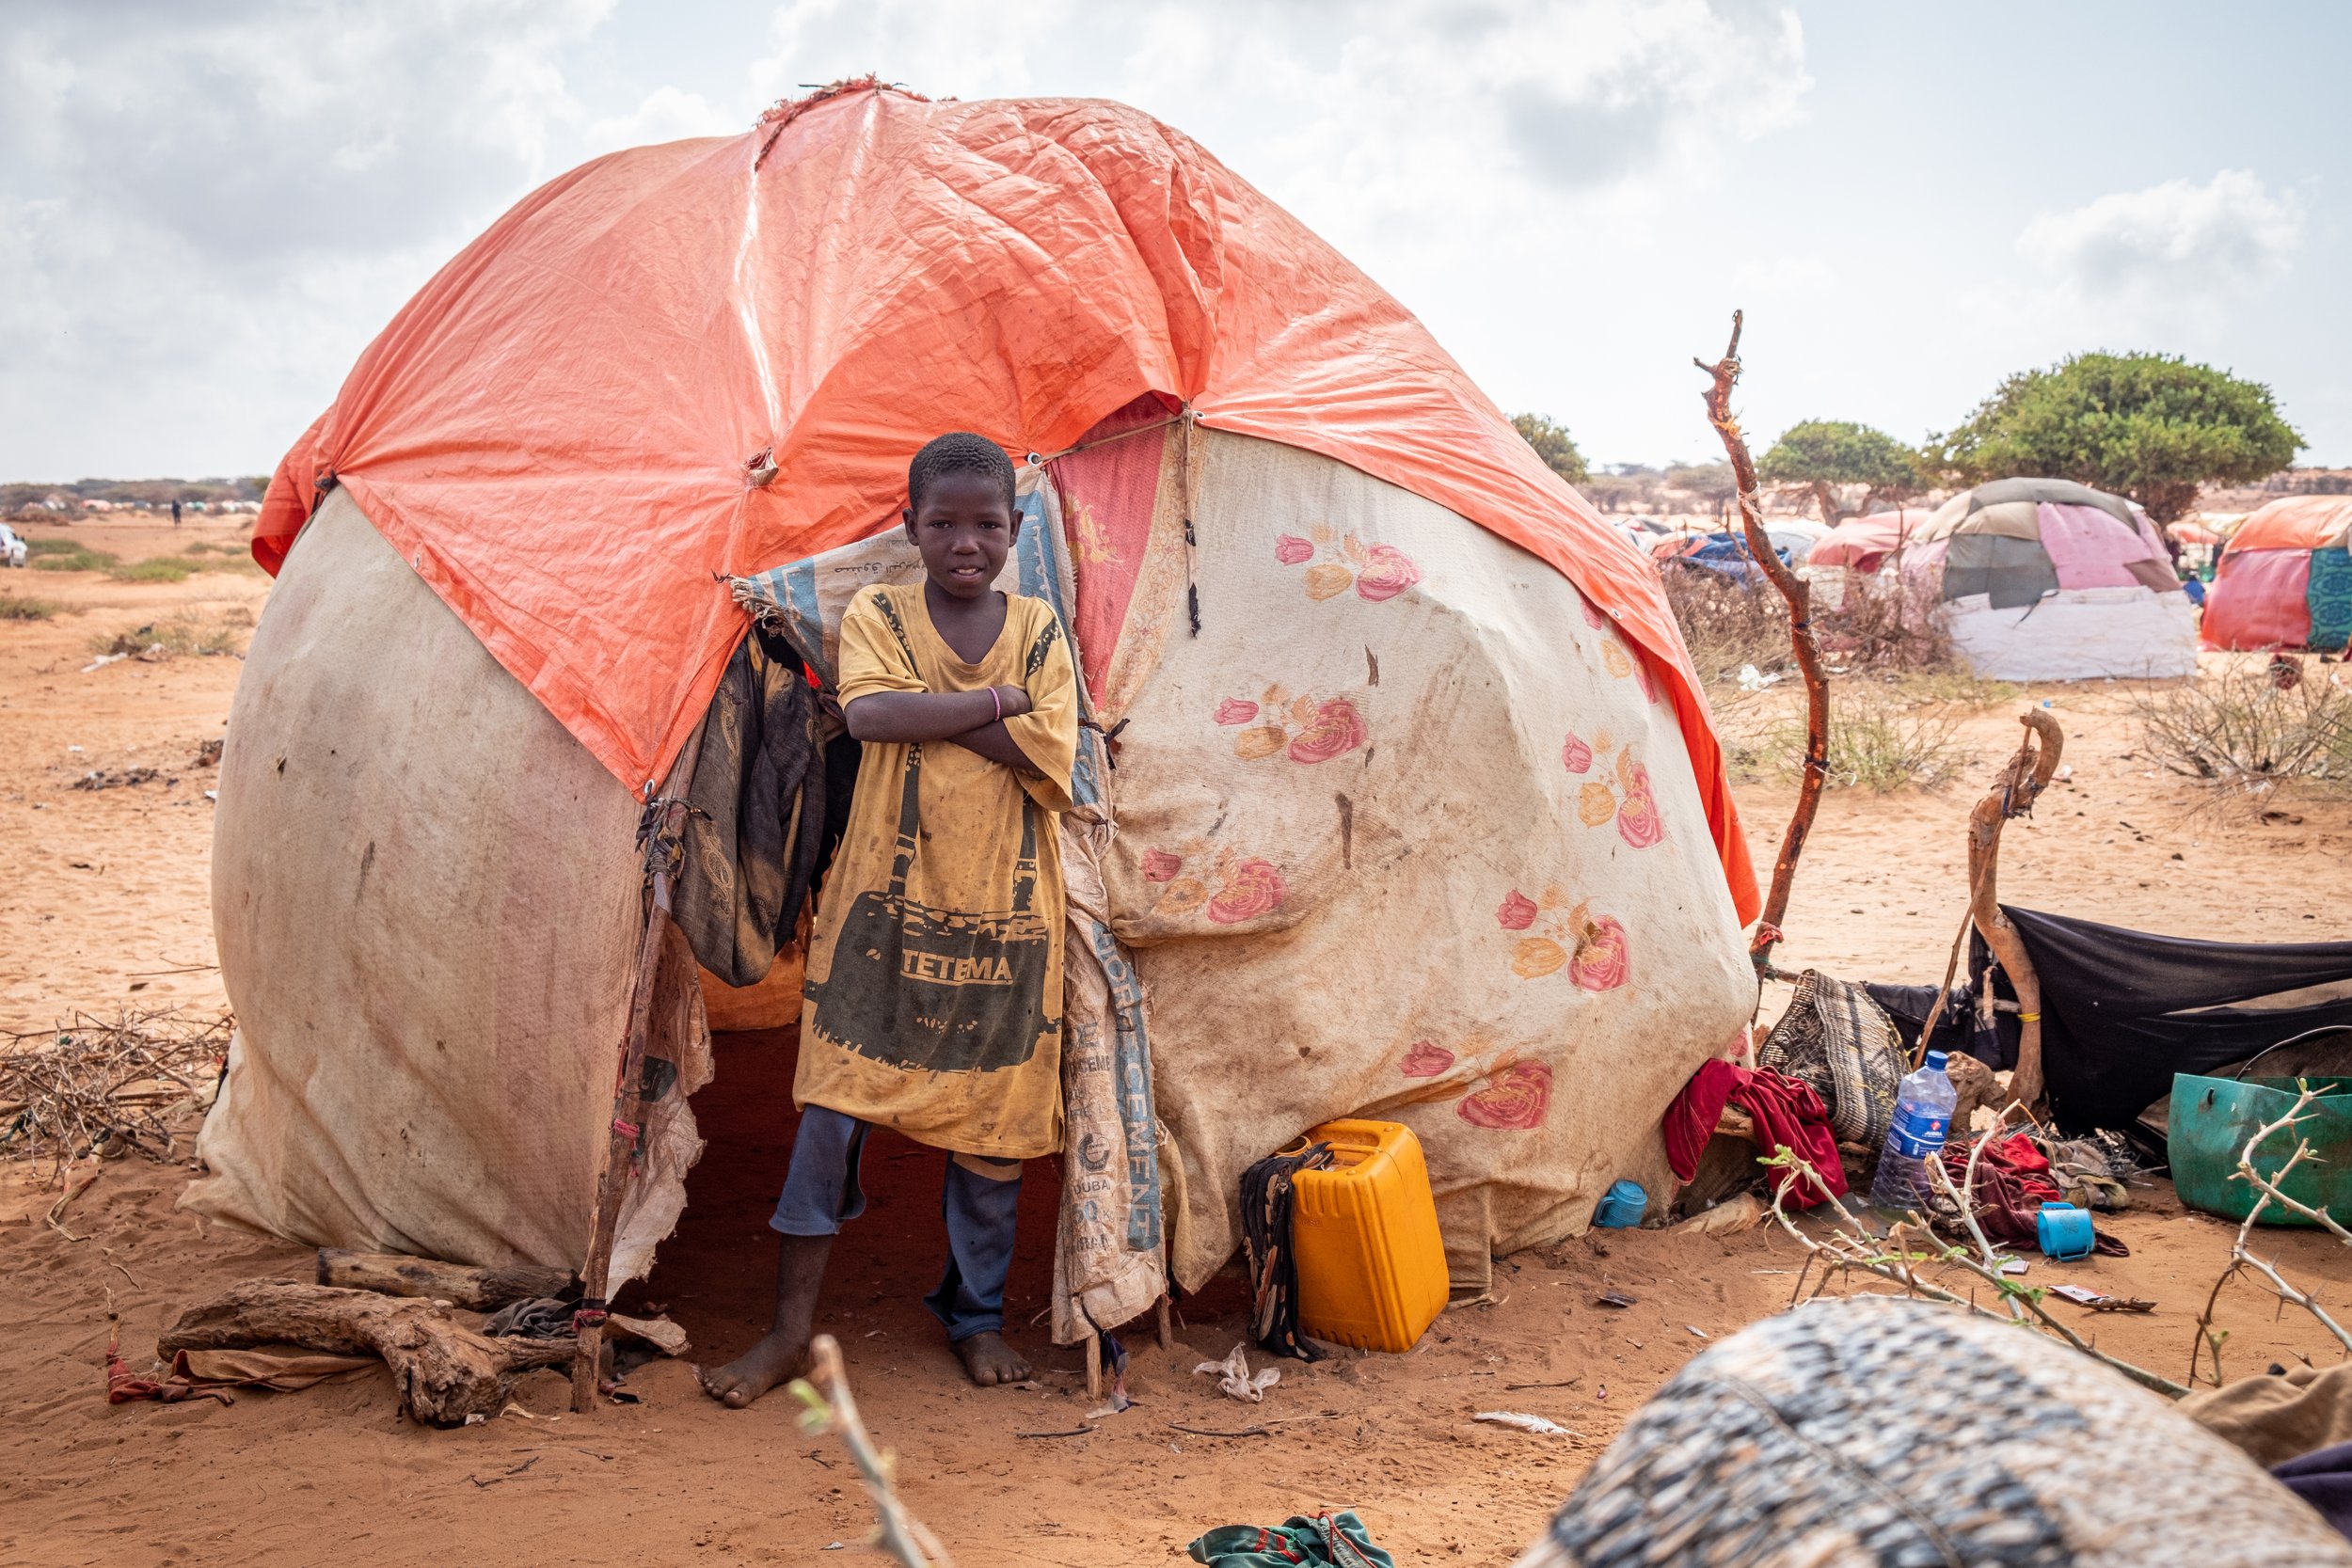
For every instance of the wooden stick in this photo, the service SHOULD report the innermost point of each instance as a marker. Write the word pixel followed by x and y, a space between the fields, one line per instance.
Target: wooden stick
pixel 1167 1333
pixel 825 1392
pixel 1094 1363
pixel 1799 594
pixel 476 1289
pixel 2020 785
pixel 628 1116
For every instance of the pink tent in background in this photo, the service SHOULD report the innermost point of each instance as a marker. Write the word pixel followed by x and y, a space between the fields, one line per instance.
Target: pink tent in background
pixel 2194 532
pixel 1863 544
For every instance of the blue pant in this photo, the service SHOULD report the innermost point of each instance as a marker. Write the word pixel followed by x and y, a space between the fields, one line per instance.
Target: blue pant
pixel 978 1199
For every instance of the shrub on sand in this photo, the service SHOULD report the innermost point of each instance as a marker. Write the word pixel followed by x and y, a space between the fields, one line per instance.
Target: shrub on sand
pixel 1727 627
pixel 24 607
pixel 162 568
pixel 1875 743
pixel 67 555
pixel 187 633
pixel 2252 727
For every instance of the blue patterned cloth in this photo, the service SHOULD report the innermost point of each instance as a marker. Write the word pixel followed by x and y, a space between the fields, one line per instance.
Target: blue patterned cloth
pixel 2331 597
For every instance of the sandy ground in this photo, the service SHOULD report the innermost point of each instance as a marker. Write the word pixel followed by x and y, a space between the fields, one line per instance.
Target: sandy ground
pixel 108 907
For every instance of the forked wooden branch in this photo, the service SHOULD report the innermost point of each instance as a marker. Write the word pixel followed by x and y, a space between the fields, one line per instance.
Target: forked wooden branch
pixel 1847 1249
pixel 2020 783
pixel 2244 1261
pixel 1799 594
pixel 442 1371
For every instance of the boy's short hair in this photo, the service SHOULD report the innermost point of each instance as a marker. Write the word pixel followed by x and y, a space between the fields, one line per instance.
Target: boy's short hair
pixel 959 451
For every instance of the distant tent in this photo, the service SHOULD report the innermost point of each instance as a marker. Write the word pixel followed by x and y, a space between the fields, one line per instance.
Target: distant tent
pixel 2047 580
pixel 1865 544
pixel 1794 538
pixel 2285 579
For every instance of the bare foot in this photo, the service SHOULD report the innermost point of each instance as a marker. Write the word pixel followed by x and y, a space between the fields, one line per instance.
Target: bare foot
pixel 774 1360
pixel 990 1361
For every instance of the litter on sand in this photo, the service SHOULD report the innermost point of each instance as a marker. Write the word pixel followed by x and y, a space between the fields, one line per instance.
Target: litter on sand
pixel 1234 1378
pixel 1522 1422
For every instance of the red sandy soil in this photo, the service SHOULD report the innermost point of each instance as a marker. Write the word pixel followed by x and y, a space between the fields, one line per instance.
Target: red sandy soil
pixel 334 1475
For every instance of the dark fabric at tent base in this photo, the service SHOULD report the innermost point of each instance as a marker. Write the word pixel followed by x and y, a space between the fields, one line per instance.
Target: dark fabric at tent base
pixel 1959 1030
pixel 2323 1479
pixel 2123 1012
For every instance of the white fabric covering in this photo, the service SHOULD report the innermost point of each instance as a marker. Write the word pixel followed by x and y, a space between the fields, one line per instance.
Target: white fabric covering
pixel 2077 634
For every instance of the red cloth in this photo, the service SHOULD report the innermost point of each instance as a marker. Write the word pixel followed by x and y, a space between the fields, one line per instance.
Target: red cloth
pixel 123 1387
pixel 1788 1115
pixel 2012 1182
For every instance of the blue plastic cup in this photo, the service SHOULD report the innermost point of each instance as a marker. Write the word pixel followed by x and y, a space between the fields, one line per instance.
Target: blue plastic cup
pixel 1622 1205
pixel 2064 1231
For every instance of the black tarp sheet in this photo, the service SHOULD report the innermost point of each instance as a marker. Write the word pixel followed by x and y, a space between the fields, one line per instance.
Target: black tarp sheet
pixel 2123 1012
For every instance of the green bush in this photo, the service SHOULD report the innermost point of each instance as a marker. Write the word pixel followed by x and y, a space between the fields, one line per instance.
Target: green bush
pixel 66 555
pixel 24 607
pixel 163 569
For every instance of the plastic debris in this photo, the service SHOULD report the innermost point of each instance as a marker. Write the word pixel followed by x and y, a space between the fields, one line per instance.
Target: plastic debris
pixel 1234 1378
pixel 1523 1422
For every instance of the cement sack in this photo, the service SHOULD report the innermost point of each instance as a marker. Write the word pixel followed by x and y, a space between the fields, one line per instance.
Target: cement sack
pixel 426 899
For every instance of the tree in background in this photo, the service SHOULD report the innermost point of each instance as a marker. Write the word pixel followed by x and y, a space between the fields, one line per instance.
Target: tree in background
pixel 1820 454
pixel 1553 444
pixel 2149 426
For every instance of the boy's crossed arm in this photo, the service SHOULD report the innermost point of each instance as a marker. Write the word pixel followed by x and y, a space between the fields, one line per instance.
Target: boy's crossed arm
pixel 971 720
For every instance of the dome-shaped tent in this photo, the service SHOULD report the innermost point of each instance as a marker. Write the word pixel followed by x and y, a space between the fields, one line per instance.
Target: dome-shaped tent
pixel 2047 580
pixel 2286 578
pixel 1417 809
pixel 1867 543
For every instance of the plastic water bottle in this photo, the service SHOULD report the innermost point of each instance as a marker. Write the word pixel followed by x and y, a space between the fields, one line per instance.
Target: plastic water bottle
pixel 1923 1118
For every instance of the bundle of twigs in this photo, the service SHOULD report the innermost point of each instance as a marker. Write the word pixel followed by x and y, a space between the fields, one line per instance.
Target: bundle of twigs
pixel 90 1086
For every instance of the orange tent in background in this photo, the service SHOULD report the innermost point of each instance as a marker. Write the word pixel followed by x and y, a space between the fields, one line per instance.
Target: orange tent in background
pixel 568 432
pixel 2284 579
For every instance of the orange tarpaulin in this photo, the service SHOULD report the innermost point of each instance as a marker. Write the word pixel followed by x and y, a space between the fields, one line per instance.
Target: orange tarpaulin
pixel 557 431
pixel 2294 523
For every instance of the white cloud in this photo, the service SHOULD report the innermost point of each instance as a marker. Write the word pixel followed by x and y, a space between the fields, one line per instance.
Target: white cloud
pixel 205 212
pixel 1363 115
pixel 668 114
pixel 2176 240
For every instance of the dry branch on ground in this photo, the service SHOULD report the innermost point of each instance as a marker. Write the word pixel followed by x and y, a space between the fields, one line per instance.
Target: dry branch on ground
pixel 442 1371
pixel 90 1086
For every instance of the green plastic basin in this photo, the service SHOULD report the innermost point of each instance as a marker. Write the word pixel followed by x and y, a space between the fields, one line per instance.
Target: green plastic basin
pixel 2211 1118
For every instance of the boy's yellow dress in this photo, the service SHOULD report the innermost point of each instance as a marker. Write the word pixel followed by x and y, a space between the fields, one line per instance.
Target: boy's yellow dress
pixel 935 975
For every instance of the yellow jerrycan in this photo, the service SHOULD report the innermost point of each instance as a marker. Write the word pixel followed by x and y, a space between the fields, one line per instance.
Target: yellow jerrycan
pixel 1371 1266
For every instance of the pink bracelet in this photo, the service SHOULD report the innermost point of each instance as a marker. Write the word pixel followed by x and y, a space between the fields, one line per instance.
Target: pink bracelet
pixel 999 701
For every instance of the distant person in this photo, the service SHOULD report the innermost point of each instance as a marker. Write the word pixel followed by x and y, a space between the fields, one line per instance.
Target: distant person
pixel 175 513
pixel 935 975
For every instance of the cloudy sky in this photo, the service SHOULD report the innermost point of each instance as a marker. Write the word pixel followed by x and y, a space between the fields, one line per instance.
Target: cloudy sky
pixel 208 207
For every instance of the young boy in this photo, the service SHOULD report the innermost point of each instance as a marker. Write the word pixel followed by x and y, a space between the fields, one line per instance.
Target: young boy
pixel 934 974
